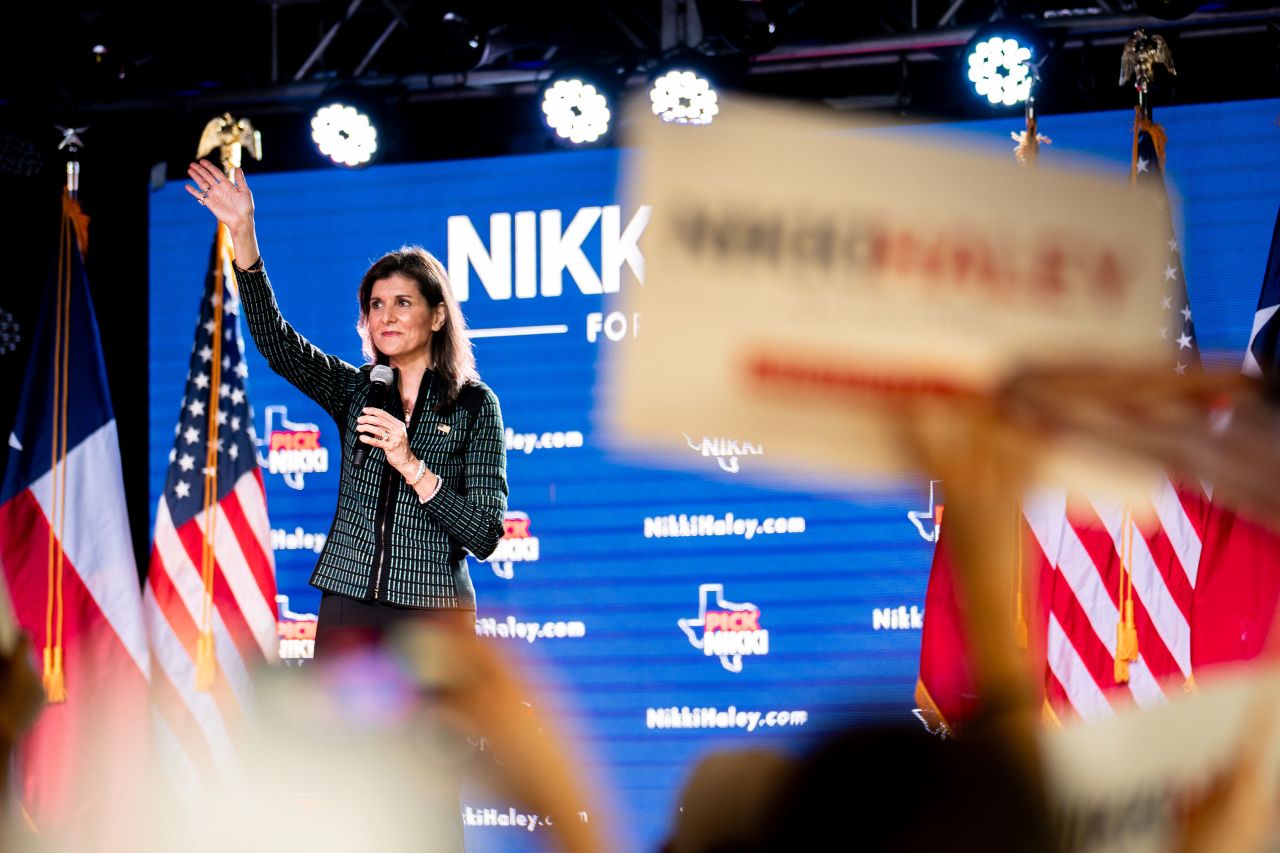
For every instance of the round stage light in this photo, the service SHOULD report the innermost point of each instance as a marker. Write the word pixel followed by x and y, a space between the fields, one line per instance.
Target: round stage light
pixel 576 111
pixel 682 97
pixel 1000 70
pixel 344 135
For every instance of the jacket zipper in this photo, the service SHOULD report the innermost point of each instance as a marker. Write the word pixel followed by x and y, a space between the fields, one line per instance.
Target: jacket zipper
pixel 386 500
pixel 382 558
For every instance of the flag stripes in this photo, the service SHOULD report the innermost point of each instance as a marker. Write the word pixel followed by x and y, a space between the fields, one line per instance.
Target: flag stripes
pixel 96 541
pixel 238 607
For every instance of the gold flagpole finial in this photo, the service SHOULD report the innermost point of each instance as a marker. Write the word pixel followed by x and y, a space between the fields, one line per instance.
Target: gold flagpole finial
pixel 231 137
pixel 1142 53
pixel 72 143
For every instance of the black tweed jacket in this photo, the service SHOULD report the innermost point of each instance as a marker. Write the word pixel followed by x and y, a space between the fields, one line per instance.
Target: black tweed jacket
pixel 384 544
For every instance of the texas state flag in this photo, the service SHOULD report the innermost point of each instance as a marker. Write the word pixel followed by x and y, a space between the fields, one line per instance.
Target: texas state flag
pixel 69 562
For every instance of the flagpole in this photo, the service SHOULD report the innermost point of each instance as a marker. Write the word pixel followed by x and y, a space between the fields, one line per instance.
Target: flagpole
pixel 230 137
pixel 1027 151
pixel 1142 53
pixel 72 143
pixel 73 237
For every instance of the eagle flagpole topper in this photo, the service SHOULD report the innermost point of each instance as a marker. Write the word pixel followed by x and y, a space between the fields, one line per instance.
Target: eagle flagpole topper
pixel 232 137
pixel 1142 53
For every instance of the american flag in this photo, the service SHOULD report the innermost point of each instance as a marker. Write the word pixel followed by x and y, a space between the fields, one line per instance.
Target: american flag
pixel 1092 557
pixel 211 571
pixel 1105 555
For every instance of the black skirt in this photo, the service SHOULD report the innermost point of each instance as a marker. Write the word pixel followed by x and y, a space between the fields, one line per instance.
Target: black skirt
pixel 346 624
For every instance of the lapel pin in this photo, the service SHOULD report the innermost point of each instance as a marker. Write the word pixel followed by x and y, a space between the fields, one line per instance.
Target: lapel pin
pixel 443 428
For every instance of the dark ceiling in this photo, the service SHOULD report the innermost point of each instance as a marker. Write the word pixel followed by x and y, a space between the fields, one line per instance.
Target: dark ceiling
pixel 165 68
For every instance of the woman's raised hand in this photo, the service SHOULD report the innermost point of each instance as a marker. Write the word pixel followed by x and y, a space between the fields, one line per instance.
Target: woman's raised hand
pixel 230 201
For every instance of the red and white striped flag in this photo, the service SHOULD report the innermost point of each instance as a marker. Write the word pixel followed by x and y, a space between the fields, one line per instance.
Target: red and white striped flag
pixel 1120 578
pixel 1116 583
pixel 210 593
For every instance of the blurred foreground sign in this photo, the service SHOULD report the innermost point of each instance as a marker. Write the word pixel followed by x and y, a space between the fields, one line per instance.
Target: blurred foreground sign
pixel 803 283
pixel 1125 784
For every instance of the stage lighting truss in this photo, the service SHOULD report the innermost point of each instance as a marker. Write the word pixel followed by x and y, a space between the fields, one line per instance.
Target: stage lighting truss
pixel 576 110
pixel 1001 70
pixel 683 97
pixel 344 134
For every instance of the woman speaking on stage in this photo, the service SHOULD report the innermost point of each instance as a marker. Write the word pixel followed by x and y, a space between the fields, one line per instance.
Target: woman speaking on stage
pixel 433 483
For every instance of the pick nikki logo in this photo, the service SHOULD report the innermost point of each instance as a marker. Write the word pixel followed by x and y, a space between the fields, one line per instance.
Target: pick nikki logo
pixel 725 629
pixel 293 449
pixel 517 545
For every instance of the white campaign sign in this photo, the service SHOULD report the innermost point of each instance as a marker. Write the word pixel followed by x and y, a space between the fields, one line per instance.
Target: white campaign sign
pixel 1119 785
pixel 802 282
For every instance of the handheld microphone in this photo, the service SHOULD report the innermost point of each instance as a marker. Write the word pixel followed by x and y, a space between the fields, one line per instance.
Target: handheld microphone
pixel 379 383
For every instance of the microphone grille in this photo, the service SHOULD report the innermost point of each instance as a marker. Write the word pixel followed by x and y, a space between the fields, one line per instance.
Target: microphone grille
pixel 381 374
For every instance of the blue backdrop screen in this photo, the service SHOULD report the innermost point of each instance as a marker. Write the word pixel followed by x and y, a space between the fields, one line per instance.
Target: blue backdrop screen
pixel 664 612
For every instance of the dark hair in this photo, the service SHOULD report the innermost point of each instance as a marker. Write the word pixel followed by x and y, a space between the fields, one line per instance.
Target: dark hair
pixel 973 793
pixel 452 360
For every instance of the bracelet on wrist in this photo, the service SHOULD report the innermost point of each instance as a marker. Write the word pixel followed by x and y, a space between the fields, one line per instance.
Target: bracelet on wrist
pixel 422 471
pixel 434 491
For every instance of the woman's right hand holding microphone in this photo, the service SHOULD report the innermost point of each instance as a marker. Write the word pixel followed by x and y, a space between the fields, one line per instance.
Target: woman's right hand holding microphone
pixel 231 202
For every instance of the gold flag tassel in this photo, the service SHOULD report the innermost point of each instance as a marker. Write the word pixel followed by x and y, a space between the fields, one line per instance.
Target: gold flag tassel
pixel 1159 138
pixel 1126 628
pixel 1130 628
pixel 53 674
pixel 206 659
pixel 1020 596
pixel 206 667
pixel 1027 151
